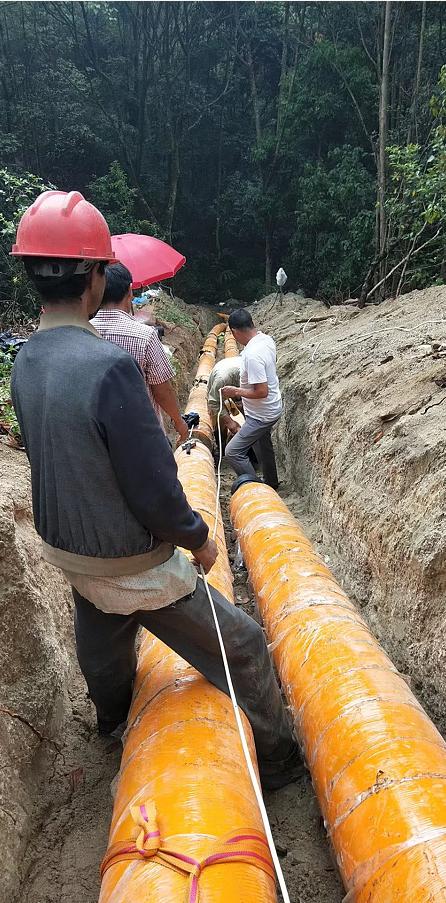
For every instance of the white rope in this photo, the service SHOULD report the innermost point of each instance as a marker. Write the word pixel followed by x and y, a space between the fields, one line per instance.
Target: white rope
pixel 250 766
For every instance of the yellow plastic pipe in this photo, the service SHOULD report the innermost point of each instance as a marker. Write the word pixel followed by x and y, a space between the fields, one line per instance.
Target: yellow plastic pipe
pixel 231 348
pixel 186 825
pixel 197 400
pixel 377 762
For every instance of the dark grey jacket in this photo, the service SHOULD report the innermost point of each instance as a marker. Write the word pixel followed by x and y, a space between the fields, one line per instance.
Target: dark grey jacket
pixel 104 479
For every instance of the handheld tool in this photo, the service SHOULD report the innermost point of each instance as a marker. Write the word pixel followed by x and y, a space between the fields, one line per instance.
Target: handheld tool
pixel 192 419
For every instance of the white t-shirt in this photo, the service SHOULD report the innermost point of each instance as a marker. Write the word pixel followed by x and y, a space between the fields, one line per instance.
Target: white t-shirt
pixel 258 365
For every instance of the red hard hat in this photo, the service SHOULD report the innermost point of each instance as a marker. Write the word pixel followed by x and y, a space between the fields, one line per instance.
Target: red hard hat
pixel 63 224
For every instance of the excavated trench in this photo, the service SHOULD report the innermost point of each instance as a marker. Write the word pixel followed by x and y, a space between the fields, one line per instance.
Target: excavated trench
pixel 64 840
pixel 55 804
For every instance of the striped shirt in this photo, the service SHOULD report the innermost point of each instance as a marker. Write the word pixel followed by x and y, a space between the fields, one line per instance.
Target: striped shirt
pixel 142 342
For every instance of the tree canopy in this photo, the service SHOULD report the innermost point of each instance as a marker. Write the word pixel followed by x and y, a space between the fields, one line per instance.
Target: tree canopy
pixel 251 135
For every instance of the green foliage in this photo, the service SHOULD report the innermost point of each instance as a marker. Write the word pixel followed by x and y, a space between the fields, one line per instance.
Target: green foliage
pixel 8 419
pixel 235 130
pixel 416 205
pixel 117 201
pixel 17 192
pixel 334 224
pixel 167 310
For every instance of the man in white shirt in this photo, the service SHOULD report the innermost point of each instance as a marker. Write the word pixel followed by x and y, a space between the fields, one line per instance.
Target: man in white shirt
pixel 262 401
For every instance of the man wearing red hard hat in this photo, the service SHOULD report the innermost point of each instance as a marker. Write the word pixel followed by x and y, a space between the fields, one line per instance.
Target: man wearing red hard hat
pixel 107 502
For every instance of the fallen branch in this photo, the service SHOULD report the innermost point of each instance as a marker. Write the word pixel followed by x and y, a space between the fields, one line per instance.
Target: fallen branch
pixel 314 319
pixel 403 271
pixel 402 262
pixel 373 266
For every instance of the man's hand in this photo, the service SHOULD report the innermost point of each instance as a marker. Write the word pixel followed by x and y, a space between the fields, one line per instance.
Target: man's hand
pixel 230 392
pixel 182 429
pixel 232 426
pixel 206 556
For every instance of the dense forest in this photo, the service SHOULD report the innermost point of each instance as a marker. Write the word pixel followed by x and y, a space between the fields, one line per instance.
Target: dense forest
pixel 250 135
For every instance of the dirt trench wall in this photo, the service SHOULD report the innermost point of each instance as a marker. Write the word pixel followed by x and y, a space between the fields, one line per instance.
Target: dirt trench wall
pixel 363 438
pixel 35 612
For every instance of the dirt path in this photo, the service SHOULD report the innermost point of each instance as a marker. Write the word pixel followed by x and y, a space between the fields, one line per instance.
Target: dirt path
pixel 62 862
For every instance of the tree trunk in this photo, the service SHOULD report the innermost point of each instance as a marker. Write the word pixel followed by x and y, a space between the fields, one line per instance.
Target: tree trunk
pixel 283 70
pixel 268 265
pixel 218 197
pixel 174 177
pixel 255 99
pixel 383 125
pixel 141 88
pixel 413 125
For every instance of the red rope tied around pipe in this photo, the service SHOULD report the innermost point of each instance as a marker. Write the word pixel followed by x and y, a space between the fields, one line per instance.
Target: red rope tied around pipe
pixel 250 847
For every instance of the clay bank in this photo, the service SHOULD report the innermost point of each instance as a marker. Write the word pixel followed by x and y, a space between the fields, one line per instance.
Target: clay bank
pixel 363 442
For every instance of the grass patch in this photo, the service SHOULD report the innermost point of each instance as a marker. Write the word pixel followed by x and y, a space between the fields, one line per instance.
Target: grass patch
pixel 167 310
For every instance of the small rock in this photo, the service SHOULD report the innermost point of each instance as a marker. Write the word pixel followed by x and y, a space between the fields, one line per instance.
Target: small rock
pixel 386 359
pixel 392 414
pixel 425 350
pixel 282 850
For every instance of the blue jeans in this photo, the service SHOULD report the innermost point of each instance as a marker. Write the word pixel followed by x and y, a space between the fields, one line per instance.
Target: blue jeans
pixel 257 435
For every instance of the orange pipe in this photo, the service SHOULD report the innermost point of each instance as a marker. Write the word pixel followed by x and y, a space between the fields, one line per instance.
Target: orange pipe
pixel 182 752
pixel 377 762
pixel 218 328
pixel 231 347
pixel 197 400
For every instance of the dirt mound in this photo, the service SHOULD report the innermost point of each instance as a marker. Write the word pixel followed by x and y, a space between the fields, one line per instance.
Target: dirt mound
pixel 363 439
pixel 33 676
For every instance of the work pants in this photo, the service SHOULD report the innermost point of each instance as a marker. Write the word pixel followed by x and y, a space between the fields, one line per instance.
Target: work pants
pixel 257 435
pixel 106 653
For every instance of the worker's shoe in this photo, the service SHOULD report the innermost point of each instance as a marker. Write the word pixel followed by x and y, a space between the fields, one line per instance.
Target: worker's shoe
pixel 274 775
pixel 111 728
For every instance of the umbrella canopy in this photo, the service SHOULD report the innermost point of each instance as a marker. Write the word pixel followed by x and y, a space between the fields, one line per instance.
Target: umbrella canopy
pixel 148 259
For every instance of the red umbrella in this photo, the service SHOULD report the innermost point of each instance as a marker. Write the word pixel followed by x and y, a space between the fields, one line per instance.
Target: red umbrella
pixel 148 259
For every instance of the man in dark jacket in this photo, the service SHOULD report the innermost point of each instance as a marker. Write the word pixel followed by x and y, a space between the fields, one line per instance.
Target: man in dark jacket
pixel 106 498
